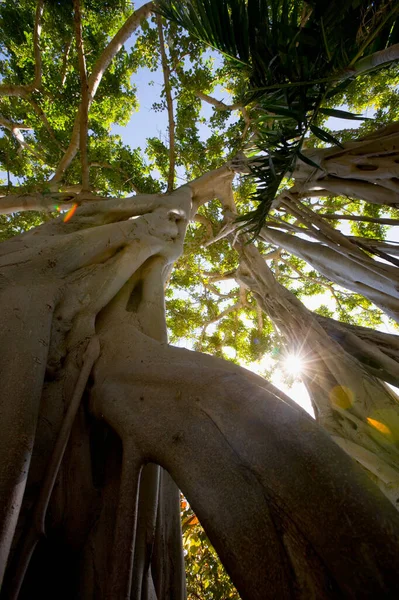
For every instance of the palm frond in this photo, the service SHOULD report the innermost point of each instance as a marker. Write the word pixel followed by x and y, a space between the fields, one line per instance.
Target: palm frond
pixel 297 54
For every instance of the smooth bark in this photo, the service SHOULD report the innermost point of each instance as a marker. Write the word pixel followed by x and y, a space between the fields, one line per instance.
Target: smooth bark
pixel 349 401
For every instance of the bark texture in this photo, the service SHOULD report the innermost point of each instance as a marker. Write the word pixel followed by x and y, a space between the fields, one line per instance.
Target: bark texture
pixel 367 168
pixel 263 478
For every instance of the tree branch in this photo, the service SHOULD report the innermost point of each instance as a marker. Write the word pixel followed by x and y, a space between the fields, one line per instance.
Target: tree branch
pixel 376 59
pixel 40 113
pixel 218 104
pixel 220 316
pixel 84 105
pixel 224 232
pixel 207 224
pixel 169 102
pixel 132 23
pixel 217 277
pixel 37 82
pixel 212 288
pixel 65 62
pixel 15 130
pixel 11 126
pixel 24 202
pixel 23 90
pixel 380 220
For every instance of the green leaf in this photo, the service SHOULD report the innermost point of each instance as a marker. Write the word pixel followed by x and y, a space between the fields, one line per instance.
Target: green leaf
pixel 343 114
pixel 325 136
pixel 308 161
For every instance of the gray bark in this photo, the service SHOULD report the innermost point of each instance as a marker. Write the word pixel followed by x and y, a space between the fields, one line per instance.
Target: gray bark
pixel 367 169
pixel 262 477
pixel 356 408
pixel 376 281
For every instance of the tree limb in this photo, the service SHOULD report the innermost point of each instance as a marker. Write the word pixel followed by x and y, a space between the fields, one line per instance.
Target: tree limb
pixel 206 222
pixel 169 102
pixel 377 59
pixel 23 90
pixel 40 113
pixel 65 62
pixel 15 130
pixel 24 202
pixel 218 104
pixel 132 23
pixel 380 220
pixel 84 105
pixel 36 45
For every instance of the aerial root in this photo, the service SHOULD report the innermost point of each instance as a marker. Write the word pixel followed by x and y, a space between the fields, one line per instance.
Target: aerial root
pixel 36 528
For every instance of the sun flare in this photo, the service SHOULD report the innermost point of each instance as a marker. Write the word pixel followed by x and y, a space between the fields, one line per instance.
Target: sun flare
pixel 293 364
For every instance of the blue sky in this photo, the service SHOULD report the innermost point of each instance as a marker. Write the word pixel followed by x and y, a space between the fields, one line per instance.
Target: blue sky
pixel 146 123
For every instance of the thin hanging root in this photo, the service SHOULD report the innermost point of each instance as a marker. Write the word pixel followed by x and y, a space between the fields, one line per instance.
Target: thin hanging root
pixel 120 580
pixel 37 527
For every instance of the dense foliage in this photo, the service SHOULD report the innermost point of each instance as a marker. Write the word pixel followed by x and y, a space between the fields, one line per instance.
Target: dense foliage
pixel 294 57
pixel 285 68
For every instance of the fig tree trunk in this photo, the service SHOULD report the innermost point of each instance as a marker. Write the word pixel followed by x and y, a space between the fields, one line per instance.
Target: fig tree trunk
pixel 102 422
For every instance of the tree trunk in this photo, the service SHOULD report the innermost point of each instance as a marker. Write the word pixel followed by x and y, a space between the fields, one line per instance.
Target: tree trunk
pixel 367 169
pixel 358 410
pixel 377 282
pixel 105 445
pixel 377 351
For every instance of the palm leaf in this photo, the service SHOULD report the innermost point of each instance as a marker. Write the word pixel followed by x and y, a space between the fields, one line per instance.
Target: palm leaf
pixel 297 54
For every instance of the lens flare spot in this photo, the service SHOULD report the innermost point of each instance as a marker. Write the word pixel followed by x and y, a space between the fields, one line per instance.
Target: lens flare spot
pixel 70 213
pixel 341 396
pixel 380 426
pixel 293 364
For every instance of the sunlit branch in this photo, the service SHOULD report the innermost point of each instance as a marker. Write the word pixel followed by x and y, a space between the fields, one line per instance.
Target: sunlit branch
pixel 275 254
pixel 84 106
pixel 224 232
pixel 132 23
pixel 15 130
pixel 219 105
pixel 218 277
pixel 377 59
pixel 40 202
pixel 206 222
pixel 389 246
pixel 36 45
pixel 212 288
pixel 379 248
pixel 327 286
pixel 325 232
pixel 379 220
pixel 220 316
pixel 169 103
pixel 362 190
pixel 247 121
pixel 10 125
pixel 65 62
